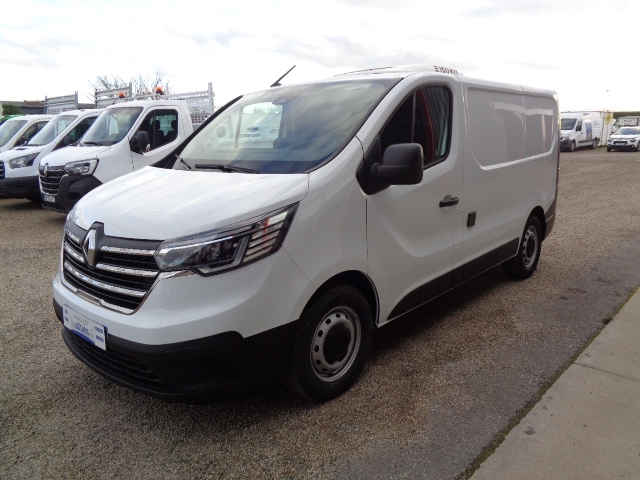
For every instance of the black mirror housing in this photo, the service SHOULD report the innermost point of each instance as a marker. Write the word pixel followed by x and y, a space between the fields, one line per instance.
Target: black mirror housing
pixel 139 143
pixel 401 165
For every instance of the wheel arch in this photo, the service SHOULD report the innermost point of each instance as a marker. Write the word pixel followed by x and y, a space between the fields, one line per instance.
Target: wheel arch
pixel 539 212
pixel 358 280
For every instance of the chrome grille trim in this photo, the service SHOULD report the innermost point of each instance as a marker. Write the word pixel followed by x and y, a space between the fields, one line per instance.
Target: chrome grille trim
pixel 102 285
pixel 136 272
pixel 72 236
pixel 127 251
pixel 51 183
pixel 76 256
pixel 1 169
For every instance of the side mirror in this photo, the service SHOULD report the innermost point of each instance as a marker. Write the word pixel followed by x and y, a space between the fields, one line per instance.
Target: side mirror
pixel 66 141
pixel 579 128
pixel 401 165
pixel 139 143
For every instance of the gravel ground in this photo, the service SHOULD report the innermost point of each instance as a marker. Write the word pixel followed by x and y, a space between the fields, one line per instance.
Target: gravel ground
pixel 441 387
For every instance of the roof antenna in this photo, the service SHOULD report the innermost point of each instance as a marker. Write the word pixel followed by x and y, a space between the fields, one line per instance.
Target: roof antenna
pixel 277 82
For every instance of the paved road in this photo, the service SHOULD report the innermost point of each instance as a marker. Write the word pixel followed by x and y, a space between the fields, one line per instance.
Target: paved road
pixel 442 384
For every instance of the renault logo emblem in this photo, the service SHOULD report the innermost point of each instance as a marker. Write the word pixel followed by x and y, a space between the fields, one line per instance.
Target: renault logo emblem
pixel 89 247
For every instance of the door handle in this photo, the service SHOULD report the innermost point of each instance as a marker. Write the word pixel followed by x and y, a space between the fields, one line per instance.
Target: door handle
pixel 449 201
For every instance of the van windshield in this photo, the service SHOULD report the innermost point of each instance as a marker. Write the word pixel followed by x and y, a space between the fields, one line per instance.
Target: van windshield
pixel 52 129
pixel 568 123
pixel 9 129
pixel 285 130
pixel 111 126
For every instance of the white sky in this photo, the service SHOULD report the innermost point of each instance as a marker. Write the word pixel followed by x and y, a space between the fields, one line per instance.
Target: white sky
pixel 586 50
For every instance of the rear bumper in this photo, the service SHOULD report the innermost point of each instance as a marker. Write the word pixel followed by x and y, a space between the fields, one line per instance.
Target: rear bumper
pixel 196 371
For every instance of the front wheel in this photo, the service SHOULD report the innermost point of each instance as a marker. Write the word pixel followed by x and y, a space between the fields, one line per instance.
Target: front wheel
pixel 330 345
pixel 525 262
pixel 572 147
pixel 594 144
pixel 638 147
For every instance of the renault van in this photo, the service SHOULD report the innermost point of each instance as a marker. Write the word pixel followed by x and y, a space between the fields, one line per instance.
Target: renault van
pixel 18 130
pixel 126 137
pixel 578 130
pixel 20 164
pixel 235 260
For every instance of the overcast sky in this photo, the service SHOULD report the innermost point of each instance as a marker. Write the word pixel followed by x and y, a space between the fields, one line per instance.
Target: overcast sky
pixel 586 50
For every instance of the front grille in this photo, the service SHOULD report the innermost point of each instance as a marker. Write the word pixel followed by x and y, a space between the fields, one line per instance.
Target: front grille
pixel 117 363
pixel 1 170
pixel 50 182
pixel 124 271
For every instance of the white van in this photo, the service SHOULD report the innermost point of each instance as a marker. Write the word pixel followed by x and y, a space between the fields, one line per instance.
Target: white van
pixel 237 261
pixel 20 164
pixel 578 129
pixel 132 133
pixel 19 130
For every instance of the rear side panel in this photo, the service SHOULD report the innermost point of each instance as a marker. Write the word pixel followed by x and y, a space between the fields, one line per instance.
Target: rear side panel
pixel 511 157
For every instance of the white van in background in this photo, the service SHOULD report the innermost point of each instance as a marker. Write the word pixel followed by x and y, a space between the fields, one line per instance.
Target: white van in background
pixel 579 129
pixel 19 130
pixel 111 149
pixel 20 164
pixel 233 262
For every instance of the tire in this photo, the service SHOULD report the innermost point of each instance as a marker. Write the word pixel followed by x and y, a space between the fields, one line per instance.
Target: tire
pixel 330 345
pixel 638 147
pixel 525 262
pixel 572 147
pixel 594 144
pixel 608 149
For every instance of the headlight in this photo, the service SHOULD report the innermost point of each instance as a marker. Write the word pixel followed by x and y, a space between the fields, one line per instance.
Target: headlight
pixel 224 249
pixel 83 167
pixel 633 140
pixel 24 161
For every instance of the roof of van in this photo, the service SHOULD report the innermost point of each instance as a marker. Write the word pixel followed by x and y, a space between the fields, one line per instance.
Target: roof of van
pixel 415 68
pixel 30 118
pixel 81 112
pixel 143 103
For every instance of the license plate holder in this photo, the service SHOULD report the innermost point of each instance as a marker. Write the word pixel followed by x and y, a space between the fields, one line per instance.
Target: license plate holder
pixel 84 327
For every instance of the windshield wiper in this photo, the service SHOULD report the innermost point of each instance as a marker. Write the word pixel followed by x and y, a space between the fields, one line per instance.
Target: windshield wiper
pixel 91 143
pixel 225 168
pixel 33 145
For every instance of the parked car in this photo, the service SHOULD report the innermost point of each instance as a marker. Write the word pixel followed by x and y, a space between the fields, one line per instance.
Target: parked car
pixel 625 138
pixel 231 263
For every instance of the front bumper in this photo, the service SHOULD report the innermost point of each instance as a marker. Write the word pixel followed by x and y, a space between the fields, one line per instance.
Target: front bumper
pixel 626 146
pixel 20 187
pixel 197 371
pixel 198 339
pixel 72 188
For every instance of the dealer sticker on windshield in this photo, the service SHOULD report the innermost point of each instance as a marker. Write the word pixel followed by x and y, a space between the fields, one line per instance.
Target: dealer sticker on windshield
pixel 91 331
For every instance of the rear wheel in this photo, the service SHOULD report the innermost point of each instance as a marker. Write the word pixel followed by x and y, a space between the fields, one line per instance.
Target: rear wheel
pixel 331 344
pixel 525 262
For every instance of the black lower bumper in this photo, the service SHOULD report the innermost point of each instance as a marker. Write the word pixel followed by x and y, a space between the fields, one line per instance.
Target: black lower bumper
pixel 197 371
pixel 20 187
pixel 72 188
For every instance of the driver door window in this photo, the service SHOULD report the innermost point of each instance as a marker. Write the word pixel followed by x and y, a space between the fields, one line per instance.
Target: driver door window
pixel 161 126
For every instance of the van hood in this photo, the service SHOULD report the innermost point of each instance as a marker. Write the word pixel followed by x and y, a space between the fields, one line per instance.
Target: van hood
pixel 159 204
pixel 20 152
pixel 61 157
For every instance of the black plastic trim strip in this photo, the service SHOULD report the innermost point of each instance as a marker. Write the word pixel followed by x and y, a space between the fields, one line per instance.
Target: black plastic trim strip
pixel 446 282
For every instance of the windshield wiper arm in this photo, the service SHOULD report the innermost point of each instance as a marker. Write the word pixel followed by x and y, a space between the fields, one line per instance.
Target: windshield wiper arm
pixel 185 164
pixel 91 143
pixel 225 168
